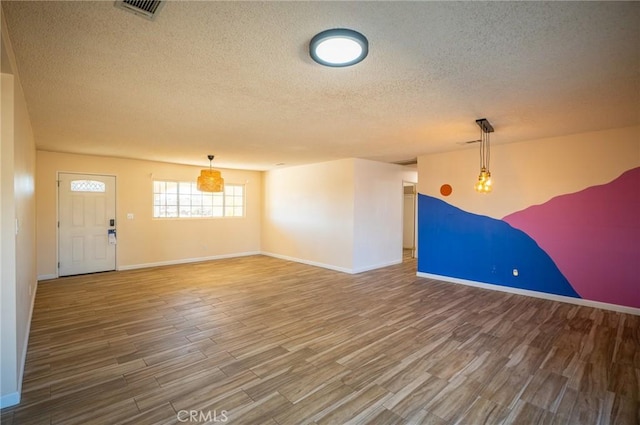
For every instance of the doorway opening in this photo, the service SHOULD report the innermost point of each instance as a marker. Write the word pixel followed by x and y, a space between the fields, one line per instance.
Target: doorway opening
pixel 409 228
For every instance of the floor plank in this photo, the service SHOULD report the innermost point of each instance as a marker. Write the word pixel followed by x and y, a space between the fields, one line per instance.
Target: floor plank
pixel 266 341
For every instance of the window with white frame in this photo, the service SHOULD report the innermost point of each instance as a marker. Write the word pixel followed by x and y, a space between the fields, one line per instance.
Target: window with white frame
pixel 173 199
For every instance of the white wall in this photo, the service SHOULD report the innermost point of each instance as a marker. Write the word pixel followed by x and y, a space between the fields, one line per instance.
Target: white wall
pixel 308 214
pixel 17 229
pixel 344 215
pixel 378 220
pixel 8 353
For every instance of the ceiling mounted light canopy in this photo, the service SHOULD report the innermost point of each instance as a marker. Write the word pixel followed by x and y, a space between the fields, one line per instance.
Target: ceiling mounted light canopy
pixel 484 183
pixel 210 180
pixel 338 47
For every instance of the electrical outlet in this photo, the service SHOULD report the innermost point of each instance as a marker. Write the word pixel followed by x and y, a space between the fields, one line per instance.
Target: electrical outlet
pixel 129 216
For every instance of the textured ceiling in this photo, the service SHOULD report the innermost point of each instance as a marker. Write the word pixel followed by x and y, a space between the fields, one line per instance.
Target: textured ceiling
pixel 235 78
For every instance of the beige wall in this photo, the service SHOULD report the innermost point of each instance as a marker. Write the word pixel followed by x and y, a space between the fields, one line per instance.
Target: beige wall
pixel 308 214
pixel 532 172
pixel 144 241
pixel 25 204
pixel 8 346
pixel 409 221
pixel 378 223
pixel 17 228
pixel 345 215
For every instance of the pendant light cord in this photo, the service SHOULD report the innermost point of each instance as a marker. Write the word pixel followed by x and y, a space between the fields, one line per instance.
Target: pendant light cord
pixel 488 151
pixel 485 147
pixel 482 148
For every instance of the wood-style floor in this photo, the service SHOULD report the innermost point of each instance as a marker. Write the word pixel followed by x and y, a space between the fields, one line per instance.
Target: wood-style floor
pixel 258 340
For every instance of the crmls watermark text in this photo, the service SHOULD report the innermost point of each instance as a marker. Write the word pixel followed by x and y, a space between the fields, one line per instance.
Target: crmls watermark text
pixel 200 416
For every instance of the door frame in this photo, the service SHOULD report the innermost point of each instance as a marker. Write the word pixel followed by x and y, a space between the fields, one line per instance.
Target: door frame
pixel 115 178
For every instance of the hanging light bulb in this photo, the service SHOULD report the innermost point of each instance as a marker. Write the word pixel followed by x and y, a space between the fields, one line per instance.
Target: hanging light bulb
pixel 488 183
pixel 484 183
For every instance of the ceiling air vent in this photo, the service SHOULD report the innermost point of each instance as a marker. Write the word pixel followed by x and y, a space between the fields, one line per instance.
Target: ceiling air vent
pixel 412 161
pixel 145 8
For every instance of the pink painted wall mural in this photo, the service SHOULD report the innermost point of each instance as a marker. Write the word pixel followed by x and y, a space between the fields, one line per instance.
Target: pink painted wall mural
pixel 593 236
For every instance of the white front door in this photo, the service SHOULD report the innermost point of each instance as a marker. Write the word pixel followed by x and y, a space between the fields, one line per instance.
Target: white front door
pixel 86 214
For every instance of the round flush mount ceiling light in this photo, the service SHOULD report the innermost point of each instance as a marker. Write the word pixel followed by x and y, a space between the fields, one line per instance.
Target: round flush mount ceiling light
pixel 338 47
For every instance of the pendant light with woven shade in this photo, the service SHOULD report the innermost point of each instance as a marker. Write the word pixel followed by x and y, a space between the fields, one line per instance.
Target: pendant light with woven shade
pixel 210 180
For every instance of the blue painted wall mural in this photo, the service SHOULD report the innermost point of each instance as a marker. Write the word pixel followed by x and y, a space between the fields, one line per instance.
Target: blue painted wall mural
pixel 468 246
pixel 582 245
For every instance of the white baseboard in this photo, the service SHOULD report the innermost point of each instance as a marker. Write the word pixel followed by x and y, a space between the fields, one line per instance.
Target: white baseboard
pixel 536 294
pixel 376 266
pixel 9 400
pixel 243 254
pixel 23 360
pixel 308 262
pixel 331 266
pixel 187 260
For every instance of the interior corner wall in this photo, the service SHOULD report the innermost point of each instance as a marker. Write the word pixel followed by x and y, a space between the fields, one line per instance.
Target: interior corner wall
pixel 17 229
pixel 562 218
pixel 378 214
pixel 144 241
pixel 9 393
pixel 308 214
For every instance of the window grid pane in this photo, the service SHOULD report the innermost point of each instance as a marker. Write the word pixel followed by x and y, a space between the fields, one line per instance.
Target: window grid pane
pixel 88 186
pixel 182 199
pixel 234 202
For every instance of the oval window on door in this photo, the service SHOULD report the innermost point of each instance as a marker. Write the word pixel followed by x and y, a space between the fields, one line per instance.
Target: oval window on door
pixel 87 186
